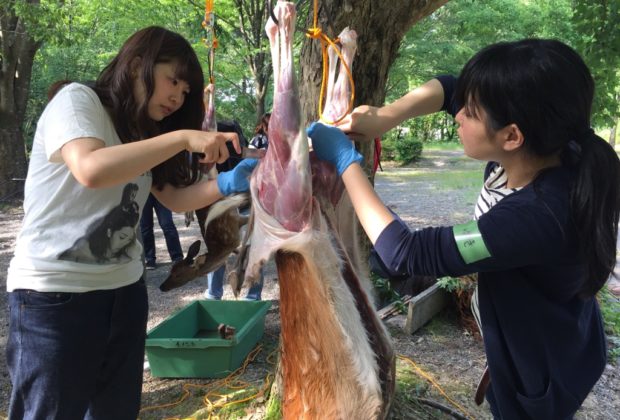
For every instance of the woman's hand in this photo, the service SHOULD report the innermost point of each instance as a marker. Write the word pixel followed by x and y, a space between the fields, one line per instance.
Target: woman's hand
pixel 237 180
pixel 368 122
pixel 363 123
pixel 211 144
pixel 332 145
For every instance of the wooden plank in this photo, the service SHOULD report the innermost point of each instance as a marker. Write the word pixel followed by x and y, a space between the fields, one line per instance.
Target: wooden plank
pixel 391 309
pixel 425 306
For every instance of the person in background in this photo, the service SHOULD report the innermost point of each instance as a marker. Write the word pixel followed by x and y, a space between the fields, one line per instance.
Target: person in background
pixel 544 237
pixel 171 235
pixel 78 304
pixel 215 279
pixel 260 139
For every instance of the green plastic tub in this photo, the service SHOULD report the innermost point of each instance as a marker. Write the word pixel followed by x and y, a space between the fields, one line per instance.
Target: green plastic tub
pixel 187 343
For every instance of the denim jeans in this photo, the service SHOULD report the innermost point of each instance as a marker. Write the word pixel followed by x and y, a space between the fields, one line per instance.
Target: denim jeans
pixel 216 286
pixel 77 355
pixel 164 217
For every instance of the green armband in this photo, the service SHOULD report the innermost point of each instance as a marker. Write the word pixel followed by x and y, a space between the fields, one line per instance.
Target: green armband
pixel 470 243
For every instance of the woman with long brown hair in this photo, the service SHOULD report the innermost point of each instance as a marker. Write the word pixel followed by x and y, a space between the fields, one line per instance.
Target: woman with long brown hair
pixel 77 299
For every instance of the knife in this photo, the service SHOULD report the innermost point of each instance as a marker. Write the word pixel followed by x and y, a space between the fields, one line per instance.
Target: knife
pixel 250 153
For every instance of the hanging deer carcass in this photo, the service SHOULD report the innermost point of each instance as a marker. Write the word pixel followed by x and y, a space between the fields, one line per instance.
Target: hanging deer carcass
pixel 337 360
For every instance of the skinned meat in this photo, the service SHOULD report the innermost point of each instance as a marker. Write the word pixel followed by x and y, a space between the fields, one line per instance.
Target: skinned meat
pixel 337 360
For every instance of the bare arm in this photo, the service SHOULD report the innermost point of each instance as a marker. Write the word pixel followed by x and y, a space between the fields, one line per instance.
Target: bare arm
pixel 371 212
pixel 97 166
pixel 367 122
pixel 189 198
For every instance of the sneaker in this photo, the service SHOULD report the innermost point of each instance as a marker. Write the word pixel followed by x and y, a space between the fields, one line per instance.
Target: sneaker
pixel 209 296
pixel 151 265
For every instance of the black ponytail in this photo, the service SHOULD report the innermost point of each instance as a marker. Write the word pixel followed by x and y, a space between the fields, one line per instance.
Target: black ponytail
pixel 545 88
pixel 595 205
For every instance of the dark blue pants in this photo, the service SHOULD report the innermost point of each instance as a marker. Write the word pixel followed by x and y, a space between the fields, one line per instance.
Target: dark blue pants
pixel 77 355
pixel 164 217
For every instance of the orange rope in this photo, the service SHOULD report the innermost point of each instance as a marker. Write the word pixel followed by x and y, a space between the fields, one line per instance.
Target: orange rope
pixel 316 33
pixel 210 40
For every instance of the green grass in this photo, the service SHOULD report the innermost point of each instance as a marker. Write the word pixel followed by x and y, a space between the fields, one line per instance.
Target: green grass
pixel 443 145
pixel 467 182
pixel 459 180
pixel 610 308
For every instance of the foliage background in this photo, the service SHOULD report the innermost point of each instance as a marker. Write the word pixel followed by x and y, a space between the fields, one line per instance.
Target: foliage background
pixel 81 36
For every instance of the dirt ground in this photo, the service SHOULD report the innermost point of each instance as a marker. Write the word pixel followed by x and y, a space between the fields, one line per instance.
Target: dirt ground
pixel 442 349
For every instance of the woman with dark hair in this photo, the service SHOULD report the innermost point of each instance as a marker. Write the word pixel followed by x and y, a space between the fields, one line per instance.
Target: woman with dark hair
pixel 543 239
pixel 260 140
pixel 77 300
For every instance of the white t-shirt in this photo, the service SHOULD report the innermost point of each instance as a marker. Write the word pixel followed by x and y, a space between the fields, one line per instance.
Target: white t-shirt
pixel 73 238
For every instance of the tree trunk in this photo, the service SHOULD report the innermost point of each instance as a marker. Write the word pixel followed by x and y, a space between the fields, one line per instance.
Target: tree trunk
pixel 17 50
pixel 260 85
pixel 380 27
pixel 252 19
pixel 612 134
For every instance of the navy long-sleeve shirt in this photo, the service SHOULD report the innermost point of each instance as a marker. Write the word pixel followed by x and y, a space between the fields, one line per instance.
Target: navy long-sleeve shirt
pixel 545 346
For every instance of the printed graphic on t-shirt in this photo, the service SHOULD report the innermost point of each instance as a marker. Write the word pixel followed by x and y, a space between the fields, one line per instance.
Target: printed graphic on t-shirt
pixel 108 240
pixel 259 141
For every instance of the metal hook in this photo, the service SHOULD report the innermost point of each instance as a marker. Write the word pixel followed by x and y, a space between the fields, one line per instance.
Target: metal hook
pixel 273 17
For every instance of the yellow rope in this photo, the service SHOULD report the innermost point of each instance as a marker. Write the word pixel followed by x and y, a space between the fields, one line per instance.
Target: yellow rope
pixel 316 33
pixel 428 377
pixel 214 399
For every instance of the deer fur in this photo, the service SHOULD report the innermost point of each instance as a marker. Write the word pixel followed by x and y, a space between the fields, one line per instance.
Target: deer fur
pixel 220 226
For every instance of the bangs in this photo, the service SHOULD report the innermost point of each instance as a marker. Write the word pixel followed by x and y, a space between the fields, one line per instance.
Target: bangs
pixel 189 69
pixel 484 86
pixel 472 107
pixel 467 92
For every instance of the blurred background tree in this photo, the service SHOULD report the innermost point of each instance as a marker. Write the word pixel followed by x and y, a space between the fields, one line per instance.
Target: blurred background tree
pixel 401 45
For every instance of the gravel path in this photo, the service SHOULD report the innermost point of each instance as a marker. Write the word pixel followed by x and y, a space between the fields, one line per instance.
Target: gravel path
pixel 454 358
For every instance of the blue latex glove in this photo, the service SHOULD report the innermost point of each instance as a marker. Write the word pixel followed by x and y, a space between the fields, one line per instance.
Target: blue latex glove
pixel 332 145
pixel 236 180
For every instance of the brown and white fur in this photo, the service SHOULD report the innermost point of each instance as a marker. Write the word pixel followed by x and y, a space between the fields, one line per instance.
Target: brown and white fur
pixel 337 359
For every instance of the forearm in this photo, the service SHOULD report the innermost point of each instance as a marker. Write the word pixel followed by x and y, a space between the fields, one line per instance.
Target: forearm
pixel 373 215
pixel 423 100
pixel 188 198
pixel 101 167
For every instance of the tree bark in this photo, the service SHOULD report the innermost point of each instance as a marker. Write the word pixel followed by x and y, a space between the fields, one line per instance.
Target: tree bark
pixel 17 54
pixel 380 28
pixel 614 128
pixel 252 19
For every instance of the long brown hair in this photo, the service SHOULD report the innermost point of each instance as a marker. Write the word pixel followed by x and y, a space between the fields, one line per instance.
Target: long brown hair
pixel 263 124
pixel 114 86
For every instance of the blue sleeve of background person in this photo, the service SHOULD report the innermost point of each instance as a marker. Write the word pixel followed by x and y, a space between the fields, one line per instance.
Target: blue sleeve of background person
pixel 527 228
pixel 448 82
